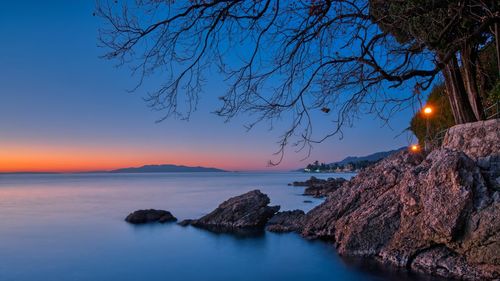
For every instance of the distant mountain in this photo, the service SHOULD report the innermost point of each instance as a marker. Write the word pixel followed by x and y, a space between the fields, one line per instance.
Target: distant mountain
pixel 372 157
pixel 165 169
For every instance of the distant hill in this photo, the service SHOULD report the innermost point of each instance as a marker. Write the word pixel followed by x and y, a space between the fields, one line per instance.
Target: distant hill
pixel 167 168
pixel 371 158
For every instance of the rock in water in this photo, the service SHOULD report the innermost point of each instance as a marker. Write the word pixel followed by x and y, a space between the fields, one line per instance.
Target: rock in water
pixel 439 215
pixel 286 221
pixel 151 215
pixel 319 188
pixel 249 210
pixel 323 188
pixel 309 182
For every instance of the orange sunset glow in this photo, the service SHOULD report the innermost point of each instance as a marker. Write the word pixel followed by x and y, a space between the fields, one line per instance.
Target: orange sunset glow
pixel 47 158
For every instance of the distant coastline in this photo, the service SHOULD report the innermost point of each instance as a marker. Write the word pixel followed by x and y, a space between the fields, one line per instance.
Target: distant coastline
pixel 164 168
pixel 351 164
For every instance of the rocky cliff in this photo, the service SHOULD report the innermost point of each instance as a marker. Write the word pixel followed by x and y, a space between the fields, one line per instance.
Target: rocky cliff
pixel 436 213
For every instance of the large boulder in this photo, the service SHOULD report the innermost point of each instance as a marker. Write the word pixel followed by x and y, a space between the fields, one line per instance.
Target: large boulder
pixel 437 214
pixel 476 140
pixel 479 141
pixel 286 221
pixel 151 215
pixel 249 210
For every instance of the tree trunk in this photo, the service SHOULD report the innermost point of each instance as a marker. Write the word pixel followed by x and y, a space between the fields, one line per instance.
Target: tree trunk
pixel 469 62
pixel 497 44
pixel 460 107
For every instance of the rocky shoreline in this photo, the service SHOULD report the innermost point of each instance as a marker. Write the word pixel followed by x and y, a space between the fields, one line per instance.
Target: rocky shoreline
pixel 437 213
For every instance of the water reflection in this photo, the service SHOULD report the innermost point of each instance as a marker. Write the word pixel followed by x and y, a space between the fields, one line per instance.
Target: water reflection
pixel 71 227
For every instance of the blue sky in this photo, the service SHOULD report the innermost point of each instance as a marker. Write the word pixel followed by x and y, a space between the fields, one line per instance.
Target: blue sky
pixel 61 104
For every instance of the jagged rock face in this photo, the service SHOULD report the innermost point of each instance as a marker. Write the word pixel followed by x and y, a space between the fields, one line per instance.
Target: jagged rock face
pixel 437 215
pixel 151 215
pixel 363 214
pixel 286 221
pixel 249 210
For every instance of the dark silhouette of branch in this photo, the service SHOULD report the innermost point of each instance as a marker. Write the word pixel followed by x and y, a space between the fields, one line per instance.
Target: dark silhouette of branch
pixel 292 59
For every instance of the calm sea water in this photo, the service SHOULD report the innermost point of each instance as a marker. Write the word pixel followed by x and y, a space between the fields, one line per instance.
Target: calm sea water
pixel 70 227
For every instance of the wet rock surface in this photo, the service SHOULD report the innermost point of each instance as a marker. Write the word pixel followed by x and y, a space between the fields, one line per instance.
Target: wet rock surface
pixel 437 214
pixel 151 215
pixel 249 210
pixel 286 221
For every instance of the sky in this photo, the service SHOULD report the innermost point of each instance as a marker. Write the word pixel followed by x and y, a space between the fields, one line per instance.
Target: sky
pixel 64 109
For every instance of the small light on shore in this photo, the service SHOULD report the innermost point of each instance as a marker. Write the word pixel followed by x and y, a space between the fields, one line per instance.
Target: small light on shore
pixel 427 110
pixel 414 148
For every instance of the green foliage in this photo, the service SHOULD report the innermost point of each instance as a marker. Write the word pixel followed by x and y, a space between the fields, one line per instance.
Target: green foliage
pixel 494 94
pixel 431 22
pixel 490 78
pixel 440 119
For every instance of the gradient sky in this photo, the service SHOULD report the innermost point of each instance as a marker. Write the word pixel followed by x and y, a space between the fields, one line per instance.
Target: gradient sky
pixel 62 108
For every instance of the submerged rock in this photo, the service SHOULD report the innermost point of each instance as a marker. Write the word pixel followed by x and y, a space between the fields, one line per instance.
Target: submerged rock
pixel 438 214
pixel 151 215
pixel 249 210
pixel 286 221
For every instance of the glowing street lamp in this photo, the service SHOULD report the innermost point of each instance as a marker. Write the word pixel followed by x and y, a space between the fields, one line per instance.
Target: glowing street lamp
pixel 415 148
pixel 427 111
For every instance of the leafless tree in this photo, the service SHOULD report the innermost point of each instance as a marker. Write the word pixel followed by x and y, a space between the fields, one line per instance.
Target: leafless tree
pixel 279 59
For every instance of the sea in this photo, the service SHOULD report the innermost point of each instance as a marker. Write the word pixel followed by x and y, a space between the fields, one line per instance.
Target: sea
pixel 70 227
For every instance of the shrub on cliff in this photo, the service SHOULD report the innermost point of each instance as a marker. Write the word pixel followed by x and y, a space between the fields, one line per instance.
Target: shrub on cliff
pixel 442 116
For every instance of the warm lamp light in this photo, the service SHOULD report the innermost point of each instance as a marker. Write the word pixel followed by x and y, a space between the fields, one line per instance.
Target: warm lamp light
pixel 414 148
pixel 427 110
